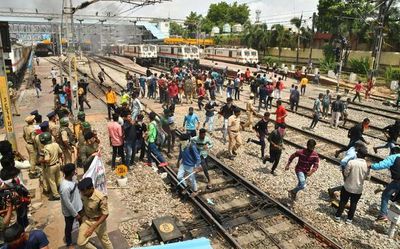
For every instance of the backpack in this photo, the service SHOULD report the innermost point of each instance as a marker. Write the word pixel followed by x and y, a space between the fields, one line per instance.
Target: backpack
pixel 71 135
pixel 161 136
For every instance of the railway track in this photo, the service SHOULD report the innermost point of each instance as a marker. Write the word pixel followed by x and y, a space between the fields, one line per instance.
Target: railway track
pixel 245 216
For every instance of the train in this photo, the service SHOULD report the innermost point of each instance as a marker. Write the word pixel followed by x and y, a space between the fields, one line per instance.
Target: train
pixel 144 54
pixel 245 56
pixel 44 49
pixel 16 64
pixel 178 53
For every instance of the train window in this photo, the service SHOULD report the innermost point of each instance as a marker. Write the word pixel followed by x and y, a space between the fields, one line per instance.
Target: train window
pixel 145 48
pixel 134 49
pixel 239 53
pixel 230 53
pixel 247 53
pixel 187 50
pixel 151 48
pixel 179 50
pixel 172 51
pixel 195 50
pixel 254 53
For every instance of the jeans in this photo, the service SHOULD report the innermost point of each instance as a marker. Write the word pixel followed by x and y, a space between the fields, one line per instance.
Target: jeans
pixel 325 110
pixel 301 178
pixel 225 129
pixel 189 170
pixel 389 144
pixel 210 122
pixel 139 145
pixel 204 165
pixel 128 147
pixel 38 90
pixel 303 89
pixel 261 101
pixel 352 142
pixel 277 93
pixel 237 93
pixel 260 142
pixel 152 149
pixel 315 120
pixel 294 103
pixel 69 222
pixel 117 150
pixel 390 189
pixel 109 108
pixel 269 101
pixel 344 198
pixel 274 157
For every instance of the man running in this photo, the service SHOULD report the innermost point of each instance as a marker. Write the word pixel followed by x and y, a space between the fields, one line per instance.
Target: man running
pixel 261 129
pixel 355 133
pixel 317 109
pixel 391 133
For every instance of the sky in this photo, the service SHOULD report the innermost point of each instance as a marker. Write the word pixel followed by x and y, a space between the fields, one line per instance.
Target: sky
pixel 272 11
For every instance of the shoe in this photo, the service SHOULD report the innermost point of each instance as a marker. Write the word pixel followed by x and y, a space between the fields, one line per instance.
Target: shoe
pixel 337 219
pixel 337 154
pixel 382 218
pixel 274 173
pixel 349 221
pixel 248 140
pixel 163 164
pixel 54 198
pixel 234 153
pixel 375 150
pixel 292 195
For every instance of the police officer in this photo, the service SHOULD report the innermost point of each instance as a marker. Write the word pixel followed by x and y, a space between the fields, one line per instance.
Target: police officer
pixel 13 98
pixel 51 161
pixel 95 215
pixel 78 123
pixel 88 149
pixel 53 124
pixel 29 135
pixel 66 140
pixel 44 127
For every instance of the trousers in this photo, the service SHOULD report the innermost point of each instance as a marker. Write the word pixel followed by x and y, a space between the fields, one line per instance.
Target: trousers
pixel 235 141
pixel 53 177
pixel 32 156
pixel 101 232
pixel 344 198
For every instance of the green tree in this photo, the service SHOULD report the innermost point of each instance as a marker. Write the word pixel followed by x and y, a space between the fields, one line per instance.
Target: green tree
pixel 192 23
pixel 220 13
pixel 176 29
pixel 256 36
pixel 297 23
pixel 280 37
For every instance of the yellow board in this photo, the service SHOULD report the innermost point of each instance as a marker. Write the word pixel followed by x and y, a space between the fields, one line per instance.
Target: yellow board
pixel 189 41
pixel 5 104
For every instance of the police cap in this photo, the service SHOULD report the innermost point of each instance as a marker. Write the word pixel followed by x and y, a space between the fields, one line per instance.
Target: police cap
pixel 85 183
pixel 44 124
pixel 35 112
pixel 51 114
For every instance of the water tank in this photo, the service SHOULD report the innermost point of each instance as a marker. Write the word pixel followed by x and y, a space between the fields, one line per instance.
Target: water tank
pixel 226 28
pixel 237 28
pixel 215 30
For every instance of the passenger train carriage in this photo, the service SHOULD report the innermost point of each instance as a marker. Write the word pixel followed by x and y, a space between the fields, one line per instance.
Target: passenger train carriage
pixel 17 61
pixel 142 53
pixel 179 53
pixel 234 55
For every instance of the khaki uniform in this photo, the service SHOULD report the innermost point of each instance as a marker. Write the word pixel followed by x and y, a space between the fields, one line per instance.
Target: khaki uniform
pixel 68 151
pixel 40 156
pixel 249 113
pixel 13 99
pixel 85 152
pixel 52 167
pixel 54 129
pixel 29 135
pixel 94 207
pixel 235 140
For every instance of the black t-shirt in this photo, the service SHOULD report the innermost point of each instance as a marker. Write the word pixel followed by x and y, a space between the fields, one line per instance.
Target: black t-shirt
pixel 262 127
pixel 57 89
pixel 227 111
pixel 337 106
pixel 393 131
pixel 129 131
pixel 140 130
pixel 209 109
pixel 275 137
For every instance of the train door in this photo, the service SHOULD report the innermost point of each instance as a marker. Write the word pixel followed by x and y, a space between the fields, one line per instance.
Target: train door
pixel 172 50
pixel 230 53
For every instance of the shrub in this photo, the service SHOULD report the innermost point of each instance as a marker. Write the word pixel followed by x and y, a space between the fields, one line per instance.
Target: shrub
pixel 329 53
pixel 360 66
pixel 392 73
pixel 327 64
pixel 270 60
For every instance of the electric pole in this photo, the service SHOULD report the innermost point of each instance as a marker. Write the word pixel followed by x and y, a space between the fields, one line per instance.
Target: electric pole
pixel 101 34
pixel 52 39
pixel 384 6
pixel 80 37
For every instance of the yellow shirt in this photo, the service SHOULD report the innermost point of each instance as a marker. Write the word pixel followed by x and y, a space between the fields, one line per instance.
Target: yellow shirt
pixel 111 97
pixel 304 81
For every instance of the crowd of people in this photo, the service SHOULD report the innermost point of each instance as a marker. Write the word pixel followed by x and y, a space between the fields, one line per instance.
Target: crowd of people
pixel 57 146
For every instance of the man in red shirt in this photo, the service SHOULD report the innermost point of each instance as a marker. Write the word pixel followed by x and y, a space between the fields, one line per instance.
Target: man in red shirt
pixel 116 139
pixel 358 88
pixel 370 85
pixel 307 164
pixel 162 86
pixel 201 94
pixel 280 112
pixel 173 91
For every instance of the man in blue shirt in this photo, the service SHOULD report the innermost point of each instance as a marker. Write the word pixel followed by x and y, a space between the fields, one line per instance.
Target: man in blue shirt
pixel 204 144
pixel 191 161
pixel 191 123
pixel 351 154
pixel 392 163
pixel 15 237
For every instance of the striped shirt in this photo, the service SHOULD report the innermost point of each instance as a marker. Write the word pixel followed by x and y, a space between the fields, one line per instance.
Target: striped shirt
pixel 306 161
